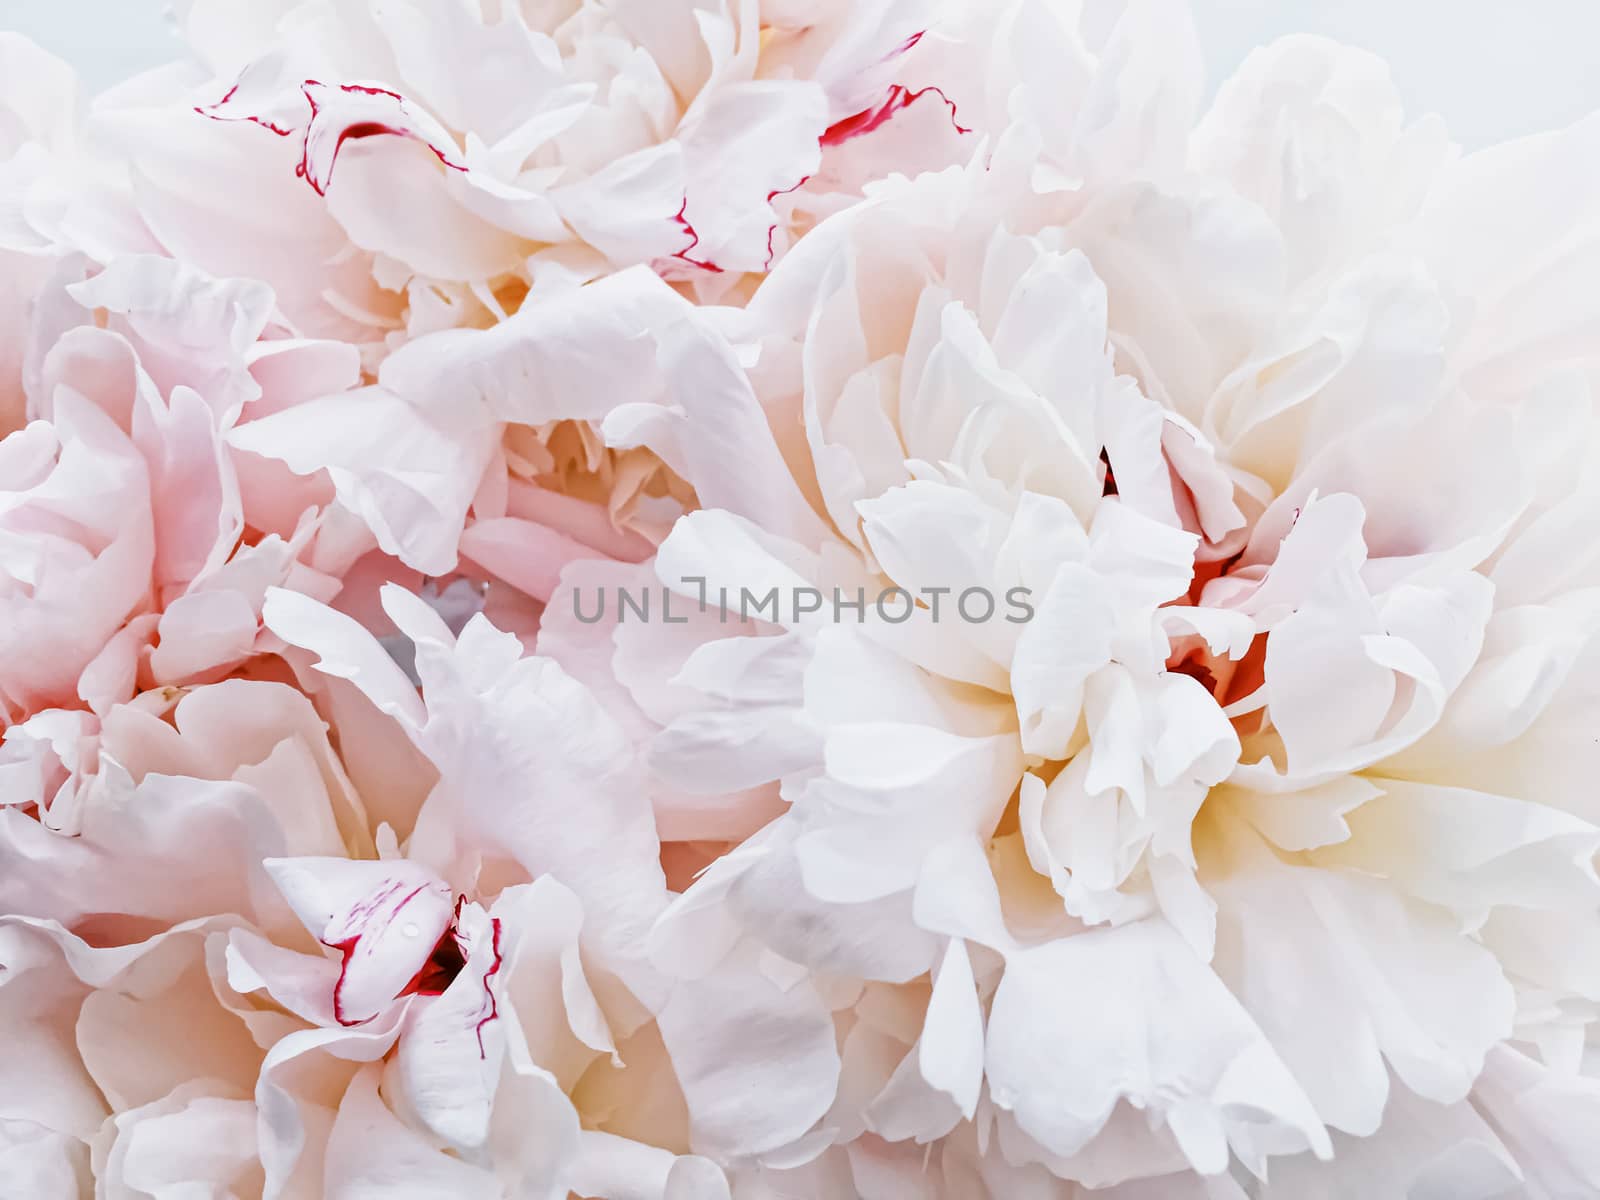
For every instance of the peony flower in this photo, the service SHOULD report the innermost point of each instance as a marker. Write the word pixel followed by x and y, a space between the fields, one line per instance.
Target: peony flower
pixel 233 973
pixel 722 601
pixel 531 144
pixel 138 545
pixel 601 141
pixel 115 906
pixel 631 145
pixel 1262 511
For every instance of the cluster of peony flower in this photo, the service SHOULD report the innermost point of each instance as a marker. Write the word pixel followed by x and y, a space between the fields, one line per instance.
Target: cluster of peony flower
pixel 1120 713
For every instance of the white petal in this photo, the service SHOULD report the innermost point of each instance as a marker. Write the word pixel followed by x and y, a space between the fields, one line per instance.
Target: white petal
pixel 384 917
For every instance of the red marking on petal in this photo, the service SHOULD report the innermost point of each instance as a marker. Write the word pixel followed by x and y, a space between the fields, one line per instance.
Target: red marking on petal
pixel 773 228
pixel 488 989
pixel 347 947
pixel 449 959
pixel 682 221
pixel 213 112
pixel 357 130
pixel 905 46
pixel 870 119
pixel 364 89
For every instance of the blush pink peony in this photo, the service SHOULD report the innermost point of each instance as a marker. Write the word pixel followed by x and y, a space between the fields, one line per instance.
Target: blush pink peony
pixel 740 599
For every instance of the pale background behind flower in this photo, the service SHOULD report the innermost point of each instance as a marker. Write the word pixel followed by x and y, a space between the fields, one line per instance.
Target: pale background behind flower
pixel 1494 68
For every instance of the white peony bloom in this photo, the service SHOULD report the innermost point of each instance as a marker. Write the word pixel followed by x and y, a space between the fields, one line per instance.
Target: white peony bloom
pixel 1238 848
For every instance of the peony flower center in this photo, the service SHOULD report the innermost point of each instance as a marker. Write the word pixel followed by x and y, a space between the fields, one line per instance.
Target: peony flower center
pixel 444 963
